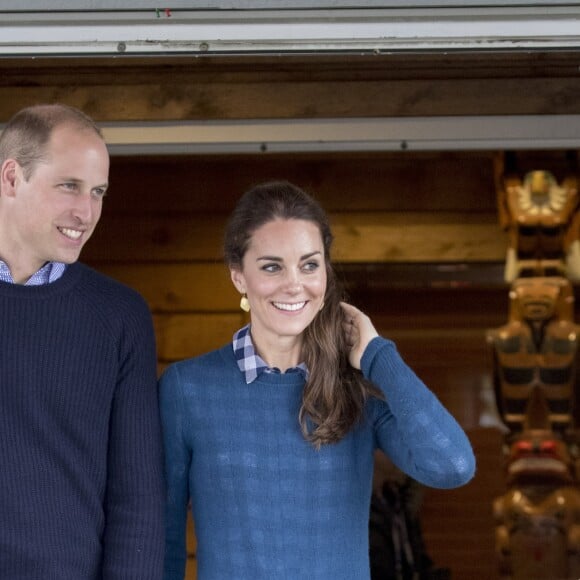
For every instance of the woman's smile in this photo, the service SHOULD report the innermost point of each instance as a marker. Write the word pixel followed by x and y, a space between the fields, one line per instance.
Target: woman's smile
pixel 289 307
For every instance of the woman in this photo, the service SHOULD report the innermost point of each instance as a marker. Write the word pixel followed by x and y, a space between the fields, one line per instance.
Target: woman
pixel 272 436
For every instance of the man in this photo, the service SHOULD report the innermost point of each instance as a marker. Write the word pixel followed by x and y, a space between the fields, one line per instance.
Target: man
pixel 81 480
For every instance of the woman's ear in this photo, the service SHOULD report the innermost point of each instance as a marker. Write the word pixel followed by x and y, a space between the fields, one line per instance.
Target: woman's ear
pixel 238 280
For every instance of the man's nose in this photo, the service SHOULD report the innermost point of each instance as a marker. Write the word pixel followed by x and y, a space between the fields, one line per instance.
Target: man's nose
pixel 83 208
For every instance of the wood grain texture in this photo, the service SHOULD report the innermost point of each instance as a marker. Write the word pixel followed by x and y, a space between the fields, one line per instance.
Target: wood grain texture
pixel 194 87
pixel 177 287
pixel 181 336
pixel 286 100
pixel 359 237
pixel 341 182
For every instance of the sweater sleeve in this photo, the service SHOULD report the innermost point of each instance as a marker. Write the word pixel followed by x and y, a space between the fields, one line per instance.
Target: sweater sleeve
pixel 411 426
pixel 133 540
pixel 177 462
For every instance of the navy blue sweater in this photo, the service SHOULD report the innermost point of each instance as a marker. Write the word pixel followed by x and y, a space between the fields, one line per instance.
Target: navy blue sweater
pixel 81 478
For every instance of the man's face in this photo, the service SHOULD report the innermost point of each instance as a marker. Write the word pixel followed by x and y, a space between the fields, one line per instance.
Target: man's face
pixel 55 211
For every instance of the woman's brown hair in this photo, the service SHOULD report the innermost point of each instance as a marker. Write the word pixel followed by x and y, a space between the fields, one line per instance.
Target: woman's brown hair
pixel 335 393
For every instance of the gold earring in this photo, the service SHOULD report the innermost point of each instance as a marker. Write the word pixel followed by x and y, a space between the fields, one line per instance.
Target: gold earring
pixel 245 303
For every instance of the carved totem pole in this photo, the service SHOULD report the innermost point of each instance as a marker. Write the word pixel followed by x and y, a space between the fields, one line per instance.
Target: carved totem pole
pixel 535 362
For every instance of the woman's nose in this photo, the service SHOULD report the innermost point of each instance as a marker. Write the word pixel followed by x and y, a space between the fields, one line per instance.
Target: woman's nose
pixel 293 282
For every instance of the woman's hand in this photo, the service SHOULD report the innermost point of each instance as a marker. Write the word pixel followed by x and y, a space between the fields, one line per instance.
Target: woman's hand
pixel 358 330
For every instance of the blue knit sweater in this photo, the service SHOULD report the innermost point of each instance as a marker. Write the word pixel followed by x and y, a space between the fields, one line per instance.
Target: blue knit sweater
pixel 81 470
pixel 266 504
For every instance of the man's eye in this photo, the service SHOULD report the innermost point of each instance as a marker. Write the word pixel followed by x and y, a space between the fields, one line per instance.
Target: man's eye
pixel 99 192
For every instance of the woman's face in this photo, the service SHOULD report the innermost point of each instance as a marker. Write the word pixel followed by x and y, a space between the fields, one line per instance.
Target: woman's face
pixel 284 276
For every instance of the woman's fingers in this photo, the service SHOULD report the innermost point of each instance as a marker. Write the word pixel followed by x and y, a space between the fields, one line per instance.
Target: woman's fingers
pixel 358 330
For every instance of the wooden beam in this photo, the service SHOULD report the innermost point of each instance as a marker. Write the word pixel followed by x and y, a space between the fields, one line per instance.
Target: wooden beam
pixel 215 100
pixel 133 69
pixel 186 87
pixel 359 237
pixel 417 238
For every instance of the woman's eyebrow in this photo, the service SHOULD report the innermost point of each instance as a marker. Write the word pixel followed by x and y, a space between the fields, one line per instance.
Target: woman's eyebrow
pixel 277 259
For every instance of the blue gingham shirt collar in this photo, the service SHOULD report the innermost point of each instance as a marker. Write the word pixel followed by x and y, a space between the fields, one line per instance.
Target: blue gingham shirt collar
pixel 250 362
pixel 50 272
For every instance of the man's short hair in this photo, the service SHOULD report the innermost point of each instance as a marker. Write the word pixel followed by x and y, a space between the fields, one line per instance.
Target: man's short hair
pixel 28 132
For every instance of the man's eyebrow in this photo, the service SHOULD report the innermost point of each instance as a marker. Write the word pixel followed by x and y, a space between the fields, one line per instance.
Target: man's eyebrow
pixel 78 180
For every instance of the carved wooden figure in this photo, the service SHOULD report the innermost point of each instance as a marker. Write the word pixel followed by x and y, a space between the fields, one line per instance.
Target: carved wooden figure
pixel 537 348
pixel 538 518
pixel 535 377
pixel 540 216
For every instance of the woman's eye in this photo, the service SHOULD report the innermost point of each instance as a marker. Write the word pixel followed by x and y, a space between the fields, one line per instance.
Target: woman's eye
pixel 310 266
pixel 270 267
